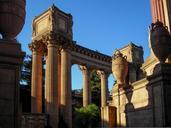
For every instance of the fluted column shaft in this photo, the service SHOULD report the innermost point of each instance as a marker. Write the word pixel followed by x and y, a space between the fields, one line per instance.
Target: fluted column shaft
pixel 86 86
pixel 161 11
pixel 36 88
pixel 104 87
pixel 36 82
pixel 51 81
pixel 66 96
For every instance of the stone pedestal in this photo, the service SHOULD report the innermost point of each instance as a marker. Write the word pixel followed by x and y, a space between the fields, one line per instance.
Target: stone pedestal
pixel 11 58
pixel 161 90
pixel 108 116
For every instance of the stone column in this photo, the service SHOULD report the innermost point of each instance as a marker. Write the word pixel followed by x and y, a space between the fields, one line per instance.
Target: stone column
pixel 86 86
pixel 66 96
pixel 104 87
pixel 36 82
pixel 51 81
pixel 161 11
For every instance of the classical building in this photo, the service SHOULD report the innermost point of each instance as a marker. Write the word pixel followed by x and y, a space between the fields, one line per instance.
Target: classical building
pixel 141 94
pixel 52 39
pixel 140 97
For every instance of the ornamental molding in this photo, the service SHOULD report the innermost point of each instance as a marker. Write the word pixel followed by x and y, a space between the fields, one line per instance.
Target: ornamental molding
pixel 85 68
pixel 103 73
pixel 91 53
pixel 37 46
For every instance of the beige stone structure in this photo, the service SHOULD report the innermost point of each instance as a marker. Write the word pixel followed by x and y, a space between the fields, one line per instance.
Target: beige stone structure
pixel 52 39
pixel 144 100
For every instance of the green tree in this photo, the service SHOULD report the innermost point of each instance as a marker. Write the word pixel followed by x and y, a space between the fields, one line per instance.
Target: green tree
pixel 95 84
pixel 25 82
pixel 86 117
pixel 95 80
pixel 26 70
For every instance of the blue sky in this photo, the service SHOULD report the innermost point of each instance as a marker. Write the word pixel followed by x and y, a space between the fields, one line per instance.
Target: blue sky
pixel 101 25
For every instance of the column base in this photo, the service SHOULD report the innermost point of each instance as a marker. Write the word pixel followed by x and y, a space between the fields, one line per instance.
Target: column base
pixel 108 117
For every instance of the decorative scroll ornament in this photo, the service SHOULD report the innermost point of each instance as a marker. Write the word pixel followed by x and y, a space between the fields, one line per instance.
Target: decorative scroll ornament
pixel 119 67
pixel 160 40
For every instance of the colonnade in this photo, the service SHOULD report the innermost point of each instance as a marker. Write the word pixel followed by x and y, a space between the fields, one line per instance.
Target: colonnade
pixel 55 89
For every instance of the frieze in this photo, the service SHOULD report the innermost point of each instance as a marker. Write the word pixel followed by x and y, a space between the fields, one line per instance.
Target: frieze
pixel 65 43
pixel 88 52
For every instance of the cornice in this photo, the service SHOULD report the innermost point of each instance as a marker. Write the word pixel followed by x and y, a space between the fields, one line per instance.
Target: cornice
pixel 91 53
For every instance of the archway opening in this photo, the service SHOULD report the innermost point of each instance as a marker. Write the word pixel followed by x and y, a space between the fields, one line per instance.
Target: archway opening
pixel 77 87
pixel 111 83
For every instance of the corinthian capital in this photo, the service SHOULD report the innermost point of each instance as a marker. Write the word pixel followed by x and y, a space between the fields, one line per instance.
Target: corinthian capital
pixel 37 46
pixel 85 69
pixel 102 73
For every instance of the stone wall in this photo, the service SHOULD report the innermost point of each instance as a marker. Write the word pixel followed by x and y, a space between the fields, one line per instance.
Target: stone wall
pixel 133 103
pixel 34 121
pixel 145 102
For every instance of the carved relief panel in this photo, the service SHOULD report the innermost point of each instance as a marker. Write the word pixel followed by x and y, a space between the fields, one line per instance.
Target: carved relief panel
pixel 53 20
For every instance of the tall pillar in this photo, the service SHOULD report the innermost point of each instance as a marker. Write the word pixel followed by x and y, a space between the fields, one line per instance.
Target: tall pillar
pixel 86 86
pixel 161 10
pixel 66 91
pixel 51 81
pixel 104 87
pixel 36 82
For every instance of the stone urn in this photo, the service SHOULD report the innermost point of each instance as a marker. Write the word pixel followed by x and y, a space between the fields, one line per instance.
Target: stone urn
pixel 12 17
pixel 119 67
pixel 160 40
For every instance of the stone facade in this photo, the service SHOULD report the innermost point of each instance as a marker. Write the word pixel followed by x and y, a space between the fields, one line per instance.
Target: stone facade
pixel 144 102
pixel 135 59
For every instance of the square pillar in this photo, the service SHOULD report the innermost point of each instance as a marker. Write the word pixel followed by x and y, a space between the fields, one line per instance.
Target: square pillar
pixel 160 82
pixel 11 58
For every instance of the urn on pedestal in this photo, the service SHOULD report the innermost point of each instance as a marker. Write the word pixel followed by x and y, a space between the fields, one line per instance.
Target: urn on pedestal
pixel 160 40
pixel 12 17
pixel 119 67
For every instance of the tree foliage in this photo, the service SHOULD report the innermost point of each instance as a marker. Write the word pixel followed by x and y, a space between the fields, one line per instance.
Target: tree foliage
pixel 86 117
pixel 25 82
pixel 95 80
pixel 95 84
pixel 26 70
